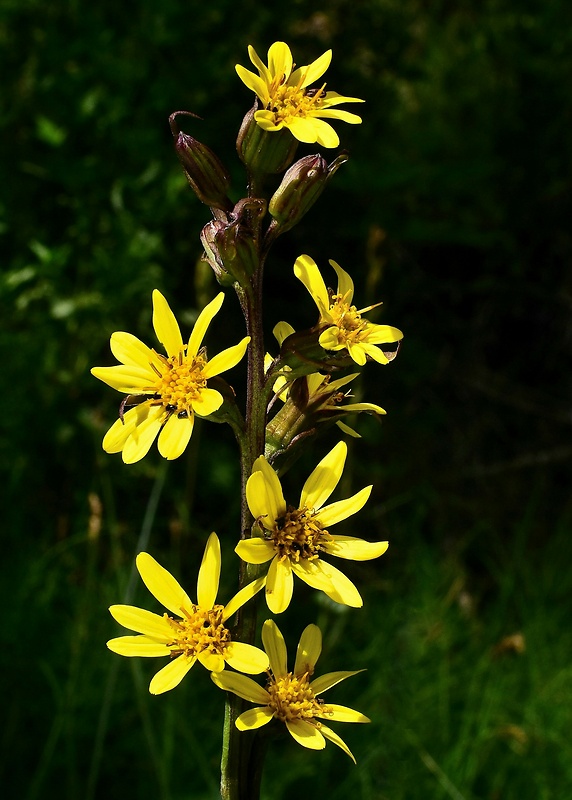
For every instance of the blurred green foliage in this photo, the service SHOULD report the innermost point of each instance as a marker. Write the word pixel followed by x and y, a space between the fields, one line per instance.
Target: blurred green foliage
pixel 455 210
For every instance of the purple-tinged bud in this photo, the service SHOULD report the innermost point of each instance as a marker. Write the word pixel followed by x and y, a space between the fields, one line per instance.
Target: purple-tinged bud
pixel 204 170
pixel 264 152
pixel 231 248
pixel 301 186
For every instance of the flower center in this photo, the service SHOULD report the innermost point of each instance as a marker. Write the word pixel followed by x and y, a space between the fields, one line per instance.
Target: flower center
pixel 287 101
pixel 182 382
pixel 348 319
pixel 199 631
pixel 299 535
pixel 292 698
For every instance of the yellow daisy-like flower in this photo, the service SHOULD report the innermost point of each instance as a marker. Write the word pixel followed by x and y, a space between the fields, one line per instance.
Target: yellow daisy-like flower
pixel 346 330
pixel 292 697
pixel 167 391
pixel 294 538
pixel 286 100
pixel 197 632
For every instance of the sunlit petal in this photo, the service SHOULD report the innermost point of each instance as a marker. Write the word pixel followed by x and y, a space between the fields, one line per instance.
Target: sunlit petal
pixel 127 379
pixel 226 359
pixel 201 325
pixel 312 573
pixel 137 646
pixel 304 129
pixel 254 718
pixel 279 585
pixel 355 549
pixel 171 675
pixel 275 646
pixel 333 737
pixel 241 685
pixel 214 662
pixel 324 478
pixel 309 649
pixel 306 734
pixel 162 584
pixel 280 60
pixel 255 550
pixel 209 573
pixel 335 512
pixel 345 283
pixel 383 334
pixel 130 350
pixel 259 64
pixel 207 402
pixel 306 270
pixel 166 326
pixel 325 682
pixel 264 494
pixel 343 714
pixel 246 658
pixel 175 436
pixel 243 596
pixel 142 621
pixel 313 71
pixel 344 590
pixel 254 83
pixel 138 444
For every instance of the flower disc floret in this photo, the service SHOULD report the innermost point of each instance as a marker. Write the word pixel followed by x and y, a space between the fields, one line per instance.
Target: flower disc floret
pixel 291 697
pixel 299 535
pixel 200 631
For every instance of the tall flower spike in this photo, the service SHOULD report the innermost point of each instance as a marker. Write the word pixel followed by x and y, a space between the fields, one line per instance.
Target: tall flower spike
pixel 288 102
pixel 292 697
pixel 167 391
pixel 197 632
pixel 345 327
pixel 294 538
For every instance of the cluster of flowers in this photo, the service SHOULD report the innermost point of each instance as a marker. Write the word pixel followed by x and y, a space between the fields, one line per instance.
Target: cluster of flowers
pixel 164 392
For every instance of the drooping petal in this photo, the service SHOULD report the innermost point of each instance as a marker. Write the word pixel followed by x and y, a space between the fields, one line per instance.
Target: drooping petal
pixel 130 350
pixel 358 352
pixel 325 134
pixel 138 444
pixel 243 596
pixel 254 718
pixel 162 584
pixel 214 662
pixel 309 649
pixel 344 590
pixel 305 129
pixel 201 325
pixel 267 120
pixel 375 353
pixel 137 646
pixel 255 551
pixel 343 714
pixel 306 734
pixel 254 83
pixel 333 737
pixel 142 621
pixel 259 64
pixel 209 573
pixel 175 436
pixel 343 509
pixel 312 573
pixel 115 438
pixel 344 116
pixel 127 379
pixel 226 359
pixel 354 549
pixel 383 334
pixel 207 402
pixel 324 478
pixel 325 682
pixel 345 283
pixel 279 585
pixel 313 71
pixel 171 675
pixel 367 407
pixel 166 326
pixel 281 331
pixel 335 99
pixel 306 270
pixel 330 339
pixel 246 658
pixel 275 646
pixel 241 685
pixel 264 494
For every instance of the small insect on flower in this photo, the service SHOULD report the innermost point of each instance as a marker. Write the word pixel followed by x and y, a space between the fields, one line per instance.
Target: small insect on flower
pixel 132 400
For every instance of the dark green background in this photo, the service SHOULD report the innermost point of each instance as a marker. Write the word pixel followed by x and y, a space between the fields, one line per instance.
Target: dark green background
pixel 455 210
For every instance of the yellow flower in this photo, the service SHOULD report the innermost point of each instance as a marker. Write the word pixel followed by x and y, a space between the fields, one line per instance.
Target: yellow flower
pixel 198 632
pixel 286 100
pixel 292 697
pixel 294 538
pixel 167 391
pixel 346 328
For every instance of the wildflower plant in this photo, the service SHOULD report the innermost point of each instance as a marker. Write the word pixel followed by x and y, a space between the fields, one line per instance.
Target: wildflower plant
pixel 292 400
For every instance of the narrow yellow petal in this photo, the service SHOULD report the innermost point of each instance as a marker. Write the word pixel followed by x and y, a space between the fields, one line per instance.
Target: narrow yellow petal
pixel 226 359
pixel 281 331
pixel 207 402
pixel 170 676
pixel 201 325
pixel 375 353
pixel 324 478
pixel 255 551
pixel 264 494
pixel 137 646
pixel 127 379
pixel 333 737
pixel 383 334
pixel 115 438
pixel 138 444
pixel 306 270
pixel 313 71
pixel 267 120
pixel 306 734
pixel 343 714
pixel 357 352
pixel 347 430
pixel 275 646
pixel 313 574
pixel 214 662
pixel 325 682
pixel 355 549
pixel 335 99
pixel 254 83
pixel 345 283
pixel 329 339
pixel 142 621
pixel 162 584
pixel 246 658
pixel 259 64
pixel 279 585
pixel 130 350
pixel 209 573
pixel 166 326
pixel 243 596
pixel 280 60
pixel 325 134
pixel 241 685
pixel 344 591
pixel 343 509
pixel 309 649
pixel 305 129
pixel 175 436
pixel 254 718
pixel 344 116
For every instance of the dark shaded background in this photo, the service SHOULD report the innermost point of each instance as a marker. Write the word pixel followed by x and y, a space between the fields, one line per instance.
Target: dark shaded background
pixel 454 209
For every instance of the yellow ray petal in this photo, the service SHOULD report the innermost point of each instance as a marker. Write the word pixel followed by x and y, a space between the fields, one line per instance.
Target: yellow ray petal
pixel 127 379
pixel 345 283
pixel 130 350
pixel 226 359
pixel 383 334
pixel 306 270
pixel 279 585
pixel 343 509
pixel 334 99
pixel 115 438
pixel 324 478
pixel 281 331
pixel 344 116
pixel 142 621
pixel 357 352
pixel 355 549
pixel 375 353
pixel 255 551
pixel 137 646
pixel 309 649
pixel 254 83
pixel 346 429
pixel 162 584
pixel 243 596
pixel 325 682
pixel 343 714
pixel 333 737
pixel 259 64
pixel 305 129
pixel 254 718
pixel 209 573
pixel 275 646
pixel 171 675
pixel 246 658
pixel 267 120
pixel 312 573
pixel 214 662
pixel 306 734
pixel 280 60
pixel 344 590
pixel 264 494
pixel 313 71
pixel 203 321
pixel 207 402
pixel 325 134
pixel 175 436
pixel 329 339
pixel 166 326
pixel 241 685
pixel 138 444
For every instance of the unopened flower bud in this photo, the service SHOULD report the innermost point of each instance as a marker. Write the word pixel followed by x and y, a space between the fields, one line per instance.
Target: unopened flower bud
pixel 204 170
pixel 231 247
pixel 264 152
pixel 301 186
